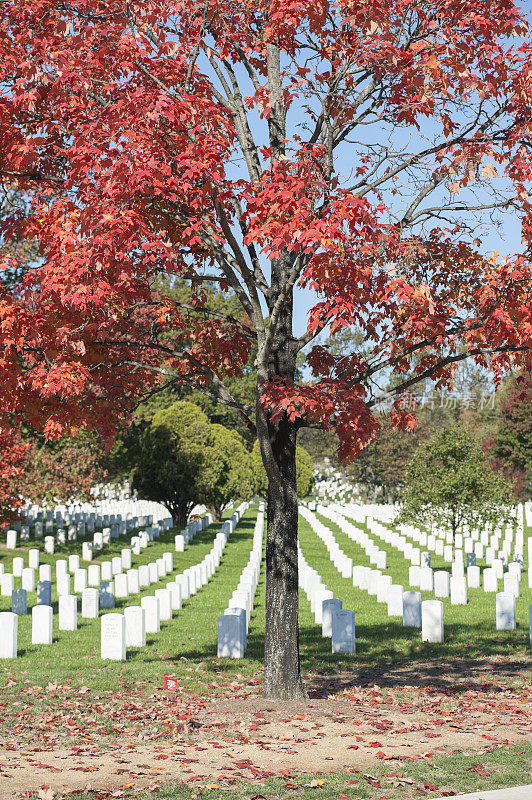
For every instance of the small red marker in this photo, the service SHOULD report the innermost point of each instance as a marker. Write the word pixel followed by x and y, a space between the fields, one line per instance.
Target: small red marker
pixel 170 684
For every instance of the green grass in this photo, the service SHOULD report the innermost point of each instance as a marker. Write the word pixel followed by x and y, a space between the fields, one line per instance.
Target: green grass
pixel 186 645
pixel 503 767
pixel 191 634
pixel 469 630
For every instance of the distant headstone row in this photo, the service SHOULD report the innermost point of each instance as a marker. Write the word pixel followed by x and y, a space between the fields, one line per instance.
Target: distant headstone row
pixel 233 625
pixel 427 615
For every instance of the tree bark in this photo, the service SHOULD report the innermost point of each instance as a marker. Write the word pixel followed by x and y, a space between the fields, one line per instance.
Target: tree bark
pixel 215 512
pixel 179 514
pixel 282 677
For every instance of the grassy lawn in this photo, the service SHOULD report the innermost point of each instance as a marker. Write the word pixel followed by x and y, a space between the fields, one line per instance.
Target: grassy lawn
pixel 65 694
pixel 469 630
pixel 461 772
pixel 191 634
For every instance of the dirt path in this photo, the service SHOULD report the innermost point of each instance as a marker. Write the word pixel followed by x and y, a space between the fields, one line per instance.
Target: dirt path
pixel 345 725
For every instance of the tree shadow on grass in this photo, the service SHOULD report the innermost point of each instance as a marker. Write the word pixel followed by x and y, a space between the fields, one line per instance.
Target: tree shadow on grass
pixel 391 657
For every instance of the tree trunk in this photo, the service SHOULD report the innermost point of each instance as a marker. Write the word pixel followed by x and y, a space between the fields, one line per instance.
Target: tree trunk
pixel 179 515
pixel 282 677
pixel 215 512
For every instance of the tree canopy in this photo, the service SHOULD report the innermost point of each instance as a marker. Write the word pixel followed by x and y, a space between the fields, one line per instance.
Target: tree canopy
pixel 450 483
pixel 185 461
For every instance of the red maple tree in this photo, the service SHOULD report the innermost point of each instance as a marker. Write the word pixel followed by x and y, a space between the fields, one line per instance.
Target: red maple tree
pixel 356 148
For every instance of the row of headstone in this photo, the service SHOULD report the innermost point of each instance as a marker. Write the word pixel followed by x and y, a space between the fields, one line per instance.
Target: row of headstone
pixel 104 520
pixel 421 577
pixel 409 603
pixel 336 622
pixel 233 624
pixel 154 609
pixel 376 556
pixel 108 576
pixel 119 631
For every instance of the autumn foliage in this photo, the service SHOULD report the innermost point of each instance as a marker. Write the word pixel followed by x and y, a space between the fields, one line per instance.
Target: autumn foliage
pixel 116 122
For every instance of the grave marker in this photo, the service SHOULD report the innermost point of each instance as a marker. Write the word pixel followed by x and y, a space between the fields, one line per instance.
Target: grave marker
pixel 41 624
pixel 113 637
pixel 505 611
pixel 135 626
pixel 90 603
pixel 8 634
pixel 432 621
pixel 343 632
pixel 412 609
pixel 19 602
pixel 68 612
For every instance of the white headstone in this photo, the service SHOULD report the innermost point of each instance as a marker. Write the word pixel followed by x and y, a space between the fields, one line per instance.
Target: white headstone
pixel 18 566
pixel 7 584
pixel 106 571
pixel 126 558
pixel 73 563
pixel 505 611
pixel 395 601
pixel 49 545
pixel 121 585
pixel 68 612
pixel 343 632
pixel 135 626
pixel 11 540
pixel 28 579
pixel 63 584
pixel 113 637
pixel 489 578
pixel 511 584
pixel 230 638
pixel 426 581
pixel 458 591
pixel 441 583
pixel 45 572
pixel 150 605
pixel 473 577
pixel 432 621
pixel 329 608
pixel 90 603
pixel 41 625
pixel 19 602
pixel 179 542
pixel 86 551
pixel 414 576
pixel 33 558
pixel 107 594
pixel 93 573
pixel 412 609
pixel 144 576
pixel 8 634
pixel 44 593
pixel 80 580
pixel 174 587
pixel 165 604
pixel 116 565
pixel 133 585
